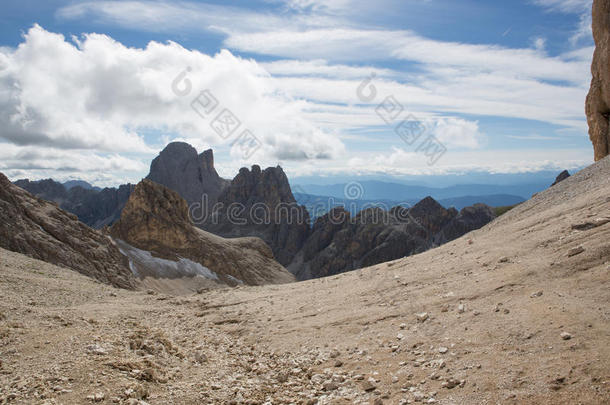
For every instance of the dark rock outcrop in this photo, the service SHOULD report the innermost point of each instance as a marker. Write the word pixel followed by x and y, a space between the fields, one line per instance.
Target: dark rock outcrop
pixel 598 100
pixel 47 189
pixel 94 207
pixel 469 219
pixel 41 230
pixel 260 203
pixel 156 220
pixel 179 168
pixel 561 177
pixel 340 243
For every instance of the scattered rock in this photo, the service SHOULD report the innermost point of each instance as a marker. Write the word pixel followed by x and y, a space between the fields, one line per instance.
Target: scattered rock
pixel 422 316
pixel 575 251
pixel 461 308
pixel 566 336
pixel 368 386
pixel 96 349
pixel 330 386
pixel 537 294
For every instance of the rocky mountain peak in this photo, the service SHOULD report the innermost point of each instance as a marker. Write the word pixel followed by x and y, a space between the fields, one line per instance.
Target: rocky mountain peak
pixel 561 177
pixel 193 176
pixel 156 221
pixel 268 211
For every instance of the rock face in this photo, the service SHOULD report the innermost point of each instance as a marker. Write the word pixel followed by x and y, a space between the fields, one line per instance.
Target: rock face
pixel 96 208
pixel 598 99
pixel 156 220
pixel 43 231
pixel 260 203
pixel 340 243
pixel 179 168
pixel 561 177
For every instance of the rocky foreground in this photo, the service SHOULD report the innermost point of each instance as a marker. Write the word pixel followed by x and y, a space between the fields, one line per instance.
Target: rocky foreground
pixel 516 312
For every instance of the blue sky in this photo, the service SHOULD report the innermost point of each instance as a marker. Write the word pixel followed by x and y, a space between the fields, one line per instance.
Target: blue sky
pixel 497 86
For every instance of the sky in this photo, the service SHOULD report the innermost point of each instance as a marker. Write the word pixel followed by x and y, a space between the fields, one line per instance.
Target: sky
pixel 94 90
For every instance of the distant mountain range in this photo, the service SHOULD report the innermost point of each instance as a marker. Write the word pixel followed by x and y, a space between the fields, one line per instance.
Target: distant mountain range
pixel 311 230
pixel 319 205
pixel 372 190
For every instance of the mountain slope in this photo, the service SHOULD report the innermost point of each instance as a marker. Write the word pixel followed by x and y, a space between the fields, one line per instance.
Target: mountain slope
pixel 41 230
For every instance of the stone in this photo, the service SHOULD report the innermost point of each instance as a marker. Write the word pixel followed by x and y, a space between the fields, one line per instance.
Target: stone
pixel 422 316
pixel 566 336
pixel 450 383
pixel 461 308
pixel 442 350
pixel 537 294
pixel 368 386
pixel 96 349
pixel 575 251
pixel 201 358
pixel 330 386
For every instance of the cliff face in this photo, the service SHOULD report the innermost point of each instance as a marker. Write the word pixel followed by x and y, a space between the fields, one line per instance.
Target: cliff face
pixel 598 99
pixel 156 220
pixel 43 231
pixel 260 203
pixel 179 168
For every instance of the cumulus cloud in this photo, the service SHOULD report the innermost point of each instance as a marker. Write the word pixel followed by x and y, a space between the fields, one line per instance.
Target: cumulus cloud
pixel 96 94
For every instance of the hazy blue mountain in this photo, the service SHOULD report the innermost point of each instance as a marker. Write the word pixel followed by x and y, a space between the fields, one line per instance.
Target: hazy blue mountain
pixel 319 205
pixel 79 183
pixel 438 181
pixel 380 191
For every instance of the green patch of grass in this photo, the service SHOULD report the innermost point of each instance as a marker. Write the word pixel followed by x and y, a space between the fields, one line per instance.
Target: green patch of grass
pixel 504 209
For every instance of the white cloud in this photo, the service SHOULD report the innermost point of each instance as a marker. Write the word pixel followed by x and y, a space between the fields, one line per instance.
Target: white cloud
pixel 565 6
pixel 581 7
pixel 38 162
pixel 98 94
pixel 403 161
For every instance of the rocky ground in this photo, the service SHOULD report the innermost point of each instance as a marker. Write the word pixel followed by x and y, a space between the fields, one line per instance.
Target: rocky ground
pixel 516 313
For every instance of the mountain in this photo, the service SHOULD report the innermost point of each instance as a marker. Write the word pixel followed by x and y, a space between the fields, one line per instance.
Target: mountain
pixel 94 207
pixel 341 242
pixel 319 205
pixel 561 177
pixel 193 176
pixel 155 224
pixel 79 183
pixel 597 105
pixel 41 230
pixel 378 190
pixel 98 208
pixel 260 203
